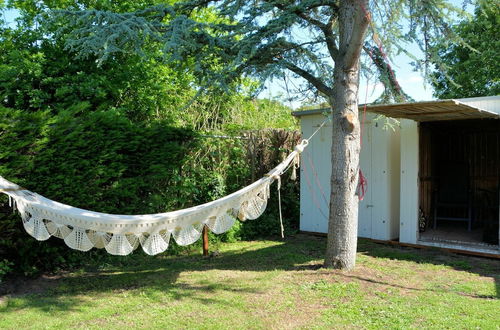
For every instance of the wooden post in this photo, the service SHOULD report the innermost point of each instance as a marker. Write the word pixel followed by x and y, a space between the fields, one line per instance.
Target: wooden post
pixel 205 240
pixel 251 147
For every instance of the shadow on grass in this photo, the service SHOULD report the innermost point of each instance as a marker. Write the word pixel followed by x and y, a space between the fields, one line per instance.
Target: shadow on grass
pixel 484 267
pixel 153 275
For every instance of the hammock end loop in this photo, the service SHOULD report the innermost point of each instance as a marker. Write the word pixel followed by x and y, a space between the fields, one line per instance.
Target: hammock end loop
pixel 301 146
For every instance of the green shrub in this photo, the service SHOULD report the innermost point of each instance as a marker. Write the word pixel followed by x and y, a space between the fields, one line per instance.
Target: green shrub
pixel 268 225
pixel 104 162
pixel 99 161
pixel 5 268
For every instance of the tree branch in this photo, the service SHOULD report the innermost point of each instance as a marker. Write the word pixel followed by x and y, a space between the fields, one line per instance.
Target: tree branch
pixel 311 20
pixel 358 9
pixel 331 43
pixel 326 28
pixel 316 82
pixel 268 53
pixel 387 74
pixel 301 12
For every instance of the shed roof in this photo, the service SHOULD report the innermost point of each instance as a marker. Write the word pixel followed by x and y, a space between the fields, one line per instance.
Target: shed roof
pixel 454 109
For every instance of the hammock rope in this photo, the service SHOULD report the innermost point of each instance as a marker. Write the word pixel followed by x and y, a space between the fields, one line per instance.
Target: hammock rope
pixel 121 234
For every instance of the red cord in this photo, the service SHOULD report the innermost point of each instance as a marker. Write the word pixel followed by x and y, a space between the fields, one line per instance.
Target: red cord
pixel 362 181
pixel 362 185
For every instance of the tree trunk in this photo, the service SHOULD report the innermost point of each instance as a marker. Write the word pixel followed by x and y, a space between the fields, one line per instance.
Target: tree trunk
pixel 343 220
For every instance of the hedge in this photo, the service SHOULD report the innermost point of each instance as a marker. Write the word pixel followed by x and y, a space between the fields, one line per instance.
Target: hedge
pixel 103 161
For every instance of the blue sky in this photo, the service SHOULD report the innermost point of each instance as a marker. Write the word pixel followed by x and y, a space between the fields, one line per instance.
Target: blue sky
pixel 9 16
pixel 411 82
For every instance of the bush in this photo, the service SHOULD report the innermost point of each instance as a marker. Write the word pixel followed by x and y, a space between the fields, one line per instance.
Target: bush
pixel 99 161
pixel 5 268
pixel 102 161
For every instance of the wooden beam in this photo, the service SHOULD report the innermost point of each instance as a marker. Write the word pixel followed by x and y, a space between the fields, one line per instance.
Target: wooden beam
pixel 205 241
pixel 434 113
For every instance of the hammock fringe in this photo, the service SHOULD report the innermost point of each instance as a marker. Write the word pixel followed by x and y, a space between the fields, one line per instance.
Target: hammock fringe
pixel 152 243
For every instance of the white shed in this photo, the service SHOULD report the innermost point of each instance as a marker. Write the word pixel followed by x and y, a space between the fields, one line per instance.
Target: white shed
pixel 433 180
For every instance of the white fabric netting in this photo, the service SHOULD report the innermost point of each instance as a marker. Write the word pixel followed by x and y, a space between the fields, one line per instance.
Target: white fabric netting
pixel 121 234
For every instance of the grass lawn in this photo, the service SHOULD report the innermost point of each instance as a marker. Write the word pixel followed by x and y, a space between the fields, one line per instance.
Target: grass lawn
pixel 268 284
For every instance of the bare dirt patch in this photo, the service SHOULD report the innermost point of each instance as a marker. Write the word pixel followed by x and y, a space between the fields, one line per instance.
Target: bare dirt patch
pixel 20 286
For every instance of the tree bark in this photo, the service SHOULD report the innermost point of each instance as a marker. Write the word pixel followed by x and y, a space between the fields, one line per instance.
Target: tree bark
pixel 343 219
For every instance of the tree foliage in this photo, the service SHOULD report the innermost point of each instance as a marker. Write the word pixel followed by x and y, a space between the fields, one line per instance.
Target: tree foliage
pixel 266 38
pixel 471 69
pixel 38 73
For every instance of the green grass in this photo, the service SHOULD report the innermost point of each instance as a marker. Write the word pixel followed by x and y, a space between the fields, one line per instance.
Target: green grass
pixel 269 284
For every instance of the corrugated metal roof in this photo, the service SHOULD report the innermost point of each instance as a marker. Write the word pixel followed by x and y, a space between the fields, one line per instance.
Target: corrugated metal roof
pixel 455 109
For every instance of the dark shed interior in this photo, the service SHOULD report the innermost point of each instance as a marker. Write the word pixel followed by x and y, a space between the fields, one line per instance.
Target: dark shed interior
pixel 460 180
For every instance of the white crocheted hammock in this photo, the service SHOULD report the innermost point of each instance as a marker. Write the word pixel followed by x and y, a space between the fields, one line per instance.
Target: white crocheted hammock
pixel 121 234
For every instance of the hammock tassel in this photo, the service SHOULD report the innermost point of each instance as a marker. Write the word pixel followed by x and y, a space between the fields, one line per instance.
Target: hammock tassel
pixel 295 166
pixel 278 178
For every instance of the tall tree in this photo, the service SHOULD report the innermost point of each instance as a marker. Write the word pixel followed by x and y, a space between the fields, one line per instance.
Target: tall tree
pixel 471 69
pixel 320 41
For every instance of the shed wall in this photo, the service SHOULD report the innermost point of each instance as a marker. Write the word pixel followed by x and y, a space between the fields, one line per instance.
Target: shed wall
pixel 409 182
pixel 315 173
pixel 380 163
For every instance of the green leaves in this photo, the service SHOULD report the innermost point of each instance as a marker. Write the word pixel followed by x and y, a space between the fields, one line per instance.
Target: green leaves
pixel 470 68
pixel 5 268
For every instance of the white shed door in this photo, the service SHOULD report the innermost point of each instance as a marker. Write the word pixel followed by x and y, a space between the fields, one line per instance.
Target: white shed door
pixel 365 212
pixel 315 176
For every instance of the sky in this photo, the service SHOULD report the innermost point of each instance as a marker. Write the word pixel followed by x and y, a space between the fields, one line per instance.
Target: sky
pixel 9 16
pixel 411 82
